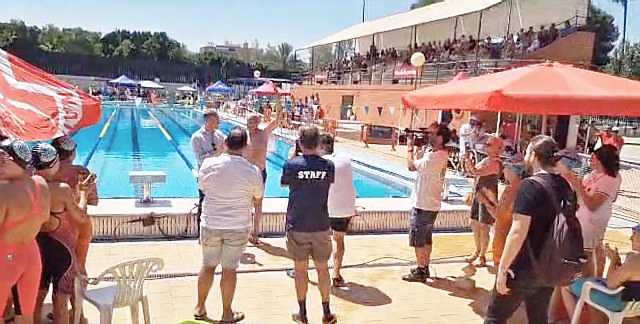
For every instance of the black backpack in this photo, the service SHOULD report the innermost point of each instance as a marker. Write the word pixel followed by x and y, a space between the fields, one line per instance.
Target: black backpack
pixel 562 257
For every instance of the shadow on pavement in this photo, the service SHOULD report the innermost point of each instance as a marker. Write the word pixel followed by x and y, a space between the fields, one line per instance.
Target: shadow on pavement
pixel 274 250
pixel 362 295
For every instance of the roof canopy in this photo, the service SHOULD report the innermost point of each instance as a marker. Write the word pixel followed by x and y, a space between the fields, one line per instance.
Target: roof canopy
pixel 123 80
pixel 548 88
pixel 150 85
pixel 186 89
pixel 457 17
pixel 219 87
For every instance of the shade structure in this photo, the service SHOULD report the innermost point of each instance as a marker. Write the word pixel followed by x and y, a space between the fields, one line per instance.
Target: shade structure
pixel 219 87
pixel 547 88
pixel 186 89
pixel 150 85
pixel 36 106
pixel 267 88
pixel 123 81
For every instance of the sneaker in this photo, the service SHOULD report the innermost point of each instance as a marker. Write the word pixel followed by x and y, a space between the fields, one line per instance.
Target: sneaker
pixel 329 319
pixel 300 319
pixel 338 282
pixel 417 275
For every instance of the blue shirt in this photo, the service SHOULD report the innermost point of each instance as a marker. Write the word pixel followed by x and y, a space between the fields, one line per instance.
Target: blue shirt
pixel 309 178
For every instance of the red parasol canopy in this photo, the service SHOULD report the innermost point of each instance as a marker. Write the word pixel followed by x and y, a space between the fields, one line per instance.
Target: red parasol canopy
pixel 267 88
pixel 36 106
pixel 548 88
pixel 460 76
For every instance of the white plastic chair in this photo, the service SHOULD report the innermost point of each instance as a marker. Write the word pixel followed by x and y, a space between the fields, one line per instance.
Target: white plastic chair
pixel 632 309
pixel 128 290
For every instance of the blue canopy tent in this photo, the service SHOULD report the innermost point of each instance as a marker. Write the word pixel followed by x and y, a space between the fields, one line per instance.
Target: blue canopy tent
pixel 123 81
pixel 219 87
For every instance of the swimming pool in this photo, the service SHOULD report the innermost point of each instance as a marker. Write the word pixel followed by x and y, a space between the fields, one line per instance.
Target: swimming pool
pixel 134 141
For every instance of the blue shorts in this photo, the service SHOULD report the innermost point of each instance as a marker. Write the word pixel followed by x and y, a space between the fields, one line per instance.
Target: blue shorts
pixel 611 302
pixel 421 229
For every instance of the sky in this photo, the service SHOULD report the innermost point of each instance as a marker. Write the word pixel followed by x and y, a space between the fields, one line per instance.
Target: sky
pixel 197 22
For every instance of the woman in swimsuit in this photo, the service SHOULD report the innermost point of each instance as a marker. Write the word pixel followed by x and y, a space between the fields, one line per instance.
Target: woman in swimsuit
pixel 73 175
pixel 57 239
pixel 24 207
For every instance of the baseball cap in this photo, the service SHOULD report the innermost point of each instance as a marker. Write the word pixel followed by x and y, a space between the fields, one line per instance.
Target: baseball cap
pixel 615 129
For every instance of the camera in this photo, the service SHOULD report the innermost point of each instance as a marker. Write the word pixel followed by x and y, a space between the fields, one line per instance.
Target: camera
pixel 420 136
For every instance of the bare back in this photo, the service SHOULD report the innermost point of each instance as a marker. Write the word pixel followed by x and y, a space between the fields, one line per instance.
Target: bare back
pixel 20 219
pixel 256 151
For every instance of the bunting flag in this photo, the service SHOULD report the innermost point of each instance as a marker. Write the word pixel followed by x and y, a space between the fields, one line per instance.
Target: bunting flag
pixel 379 111
pixel 392 110
pixel 366 110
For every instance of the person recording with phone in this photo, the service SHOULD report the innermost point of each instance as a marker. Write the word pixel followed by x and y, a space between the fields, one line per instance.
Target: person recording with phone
pixel 426 196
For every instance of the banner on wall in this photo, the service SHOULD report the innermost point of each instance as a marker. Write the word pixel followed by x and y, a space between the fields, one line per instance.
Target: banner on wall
pixel 405 72
pixel 366 110
pixel 379 111
pixel 321 77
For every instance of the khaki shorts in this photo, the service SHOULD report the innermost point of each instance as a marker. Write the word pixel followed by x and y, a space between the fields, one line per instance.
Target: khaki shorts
pixel 223 247
pixel 301 245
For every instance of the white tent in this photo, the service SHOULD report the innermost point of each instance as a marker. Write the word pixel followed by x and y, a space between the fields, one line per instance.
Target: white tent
pixel 443 20
pixel 187 89
pixel 150 85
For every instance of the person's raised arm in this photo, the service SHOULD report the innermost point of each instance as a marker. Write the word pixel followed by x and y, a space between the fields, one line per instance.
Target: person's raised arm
pixel 273 124
pixel 410 157
pixel 591 200
pixel 484 168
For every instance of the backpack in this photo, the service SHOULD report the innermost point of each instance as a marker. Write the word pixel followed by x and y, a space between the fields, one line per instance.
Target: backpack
pixel 562 257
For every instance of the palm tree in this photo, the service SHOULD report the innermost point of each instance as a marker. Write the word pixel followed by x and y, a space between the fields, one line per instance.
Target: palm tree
pixel 423 3
pixel 625 5
pixel 283 55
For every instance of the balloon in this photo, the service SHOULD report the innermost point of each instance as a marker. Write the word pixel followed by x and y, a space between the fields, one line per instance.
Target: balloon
pixel 418 59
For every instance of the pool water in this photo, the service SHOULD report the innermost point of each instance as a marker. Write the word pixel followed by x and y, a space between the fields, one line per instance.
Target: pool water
pixel 135 142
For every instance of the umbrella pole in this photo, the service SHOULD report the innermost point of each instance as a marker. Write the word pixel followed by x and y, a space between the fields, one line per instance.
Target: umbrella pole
pixel 586 140
pixel 544 125
pixel 498 123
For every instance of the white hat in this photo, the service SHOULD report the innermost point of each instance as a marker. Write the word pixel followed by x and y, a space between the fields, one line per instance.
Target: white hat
pixel 615 129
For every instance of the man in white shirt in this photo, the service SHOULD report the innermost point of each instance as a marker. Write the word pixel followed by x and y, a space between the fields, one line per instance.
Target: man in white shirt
pixel 426 198
pixel 341 203
pixel 208 141
pixel 232 188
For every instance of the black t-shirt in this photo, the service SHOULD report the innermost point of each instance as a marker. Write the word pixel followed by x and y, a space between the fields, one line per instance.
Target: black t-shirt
pixel 309 178
pixel 534 201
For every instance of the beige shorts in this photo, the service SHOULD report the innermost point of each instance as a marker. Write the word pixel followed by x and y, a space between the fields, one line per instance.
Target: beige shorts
pixel 223 247
pixel 301 245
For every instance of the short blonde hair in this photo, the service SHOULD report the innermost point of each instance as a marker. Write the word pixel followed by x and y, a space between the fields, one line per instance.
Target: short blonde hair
pixel 255 117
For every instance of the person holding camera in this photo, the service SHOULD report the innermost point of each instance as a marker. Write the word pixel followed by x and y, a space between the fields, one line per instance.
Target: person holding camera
pixel 426 198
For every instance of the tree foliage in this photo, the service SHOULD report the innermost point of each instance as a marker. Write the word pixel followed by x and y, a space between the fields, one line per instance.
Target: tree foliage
pixel 602 24
pixel 625 64
pixel 423 3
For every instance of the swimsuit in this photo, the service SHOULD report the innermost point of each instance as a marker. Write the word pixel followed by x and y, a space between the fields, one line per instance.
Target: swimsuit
pixel 57 250
pixel 20 264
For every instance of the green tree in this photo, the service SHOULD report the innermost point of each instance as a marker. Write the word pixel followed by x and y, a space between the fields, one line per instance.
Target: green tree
pixel 602 24
pixel 124 49
pixel 52 39
pixel 423 3
pixel 627 63
pixel 283 55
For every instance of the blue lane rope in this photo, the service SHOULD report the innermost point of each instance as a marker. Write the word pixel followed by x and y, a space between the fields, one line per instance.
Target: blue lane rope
pixel 100 137
pixel 170 139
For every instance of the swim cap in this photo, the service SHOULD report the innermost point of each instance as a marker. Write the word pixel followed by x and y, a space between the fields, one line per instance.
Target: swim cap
pixel 44 156
pixel 65 145
pixel 18 150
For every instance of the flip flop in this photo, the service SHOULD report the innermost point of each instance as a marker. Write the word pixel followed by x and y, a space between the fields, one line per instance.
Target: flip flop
pixel 331 319
pixel 237 317
pixel 299 318
pixel 200 317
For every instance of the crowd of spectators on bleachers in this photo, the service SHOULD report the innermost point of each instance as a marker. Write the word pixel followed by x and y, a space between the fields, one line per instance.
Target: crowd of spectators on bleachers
pixel 457 49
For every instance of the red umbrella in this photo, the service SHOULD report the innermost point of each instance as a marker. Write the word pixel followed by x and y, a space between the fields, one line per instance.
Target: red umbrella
pixel 548 88
pixel 267 88
pixel 36 106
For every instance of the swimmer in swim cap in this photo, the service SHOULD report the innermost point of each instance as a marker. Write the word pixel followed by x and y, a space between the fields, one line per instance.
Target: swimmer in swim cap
pixel 66 147
pixel 15 159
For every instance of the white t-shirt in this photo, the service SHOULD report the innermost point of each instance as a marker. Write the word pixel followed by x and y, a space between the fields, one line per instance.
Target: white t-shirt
pixel 466 132
pixel 594 223
pixel 230 183
pixel 342 193
pixel 427 190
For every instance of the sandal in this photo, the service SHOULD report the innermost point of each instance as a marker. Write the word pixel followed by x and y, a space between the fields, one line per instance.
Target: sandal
pixel 471 258
pixel 330 319
pixel 481 262
pixel 237 317
pixel 200 317
pixel 300 319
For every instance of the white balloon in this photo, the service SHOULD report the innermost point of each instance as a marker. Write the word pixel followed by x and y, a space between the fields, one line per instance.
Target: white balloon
pixel 256 74
pixel 418 59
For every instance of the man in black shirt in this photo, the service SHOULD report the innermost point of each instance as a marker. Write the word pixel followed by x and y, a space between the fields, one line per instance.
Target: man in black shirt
pixel 533 216
pixel 309 178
